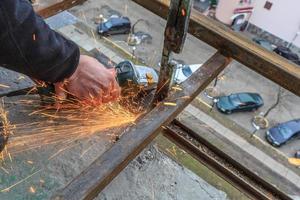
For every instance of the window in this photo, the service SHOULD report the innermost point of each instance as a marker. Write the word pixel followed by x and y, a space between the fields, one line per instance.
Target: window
pixel 268 5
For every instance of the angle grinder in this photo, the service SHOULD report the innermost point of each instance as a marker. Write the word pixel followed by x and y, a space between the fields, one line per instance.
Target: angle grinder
pixel 138 84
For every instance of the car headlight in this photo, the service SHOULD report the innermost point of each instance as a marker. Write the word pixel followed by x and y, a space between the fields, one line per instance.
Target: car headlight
pixel 216 100
pixel 276 143
pixel 101 31
pixel 268 133
pixel 223 109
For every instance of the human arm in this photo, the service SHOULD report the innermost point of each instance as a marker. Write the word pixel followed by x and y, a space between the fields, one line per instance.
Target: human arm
pixel 29 46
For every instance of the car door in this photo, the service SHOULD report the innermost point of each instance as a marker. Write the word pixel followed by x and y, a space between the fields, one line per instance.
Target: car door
pixel 251 106
pixel 113 30
pixel 119 28
pixel 244 106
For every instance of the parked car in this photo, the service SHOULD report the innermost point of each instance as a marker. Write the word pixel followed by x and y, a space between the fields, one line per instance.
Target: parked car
pixel 264 43
pixel 239 102
pixel 288 54
pixel 115 25
pixel 184 71
pixel 281 133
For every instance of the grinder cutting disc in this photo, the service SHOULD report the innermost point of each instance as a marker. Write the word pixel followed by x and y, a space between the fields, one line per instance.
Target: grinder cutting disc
pixel 3 137
pixel 138 85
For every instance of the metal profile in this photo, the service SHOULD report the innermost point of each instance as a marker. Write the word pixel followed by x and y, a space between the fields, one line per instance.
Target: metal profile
pixel 232 44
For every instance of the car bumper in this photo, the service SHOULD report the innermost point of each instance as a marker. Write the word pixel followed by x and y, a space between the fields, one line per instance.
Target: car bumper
pixel 270 139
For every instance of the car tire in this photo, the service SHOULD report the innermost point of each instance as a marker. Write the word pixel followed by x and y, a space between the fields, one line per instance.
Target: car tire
pixel 254 109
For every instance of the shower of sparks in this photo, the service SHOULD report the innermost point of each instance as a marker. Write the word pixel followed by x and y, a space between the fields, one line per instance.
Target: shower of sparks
pixel 75 122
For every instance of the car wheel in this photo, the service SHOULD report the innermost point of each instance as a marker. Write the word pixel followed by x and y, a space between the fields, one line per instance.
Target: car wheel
pixel 254 109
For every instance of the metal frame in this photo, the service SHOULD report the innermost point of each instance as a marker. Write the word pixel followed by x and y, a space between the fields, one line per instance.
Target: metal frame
pixel 56 7
pixel 93 179
pixel 239 176
pixel 106 167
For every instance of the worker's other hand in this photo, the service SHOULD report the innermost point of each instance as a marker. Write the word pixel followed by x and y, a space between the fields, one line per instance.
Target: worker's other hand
pixel 91 82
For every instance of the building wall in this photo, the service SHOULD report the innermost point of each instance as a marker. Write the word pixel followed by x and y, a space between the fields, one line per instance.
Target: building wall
pixel 225 9
pixel 283 20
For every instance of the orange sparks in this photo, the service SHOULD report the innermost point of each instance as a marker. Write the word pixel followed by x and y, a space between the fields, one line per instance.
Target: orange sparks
pixel 30 162
pixel 32 189
pixel 4 86
pixel 185 97
pixel 169 104
pixel 75 122
pixel 177 88
pixel 47 126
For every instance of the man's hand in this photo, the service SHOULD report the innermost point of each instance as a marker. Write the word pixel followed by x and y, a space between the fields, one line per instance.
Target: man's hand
pixel 91 82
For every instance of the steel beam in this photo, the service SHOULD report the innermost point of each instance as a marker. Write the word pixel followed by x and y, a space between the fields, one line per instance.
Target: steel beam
pixel 239 176
pixel 100 173
pixel 55 7
pixel 230 43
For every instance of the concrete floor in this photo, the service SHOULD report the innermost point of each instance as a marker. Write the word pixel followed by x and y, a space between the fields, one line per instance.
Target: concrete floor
pixel 154 176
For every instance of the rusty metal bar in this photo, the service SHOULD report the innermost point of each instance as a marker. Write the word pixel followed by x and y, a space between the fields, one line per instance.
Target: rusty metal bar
pixel 56 7
pixel 105 168
pixel 239 176
pixel 175 36
pixel 234 45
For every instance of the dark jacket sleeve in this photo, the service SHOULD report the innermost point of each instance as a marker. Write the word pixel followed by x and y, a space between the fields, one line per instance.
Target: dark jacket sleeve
pixel 29 46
